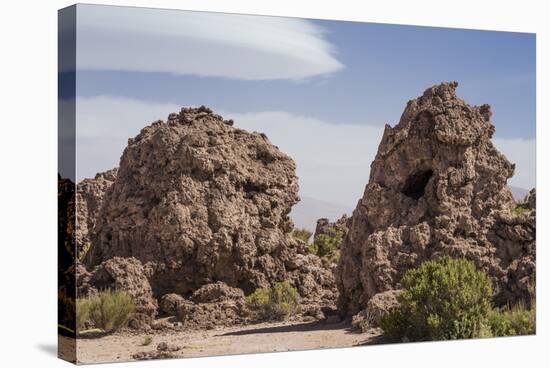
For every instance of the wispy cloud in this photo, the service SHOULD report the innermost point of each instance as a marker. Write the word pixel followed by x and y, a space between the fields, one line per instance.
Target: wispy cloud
pixel 203 44
pixel 333 160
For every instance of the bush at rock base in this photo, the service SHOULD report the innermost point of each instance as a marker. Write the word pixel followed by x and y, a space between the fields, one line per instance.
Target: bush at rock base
pixel 302 235
pixel 520 210
pixel 442 299
pixel 513 321
pixel 328 244
pixel 108 310
pixel 66 311
pixel 277 302
pixel 82 313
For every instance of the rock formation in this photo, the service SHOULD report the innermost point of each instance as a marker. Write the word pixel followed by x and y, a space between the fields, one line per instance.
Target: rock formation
pixel 122 274
pixel 437 187
pixel 324 226
pixel 66 254
pixel 89 198
pixel 379 306
pixel 196 201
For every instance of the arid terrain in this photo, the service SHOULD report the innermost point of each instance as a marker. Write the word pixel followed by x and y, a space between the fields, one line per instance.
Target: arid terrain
pixel 257 338
pixel 187 249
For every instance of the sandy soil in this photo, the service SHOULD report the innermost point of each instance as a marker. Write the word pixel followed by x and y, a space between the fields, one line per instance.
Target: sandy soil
pixel 264 337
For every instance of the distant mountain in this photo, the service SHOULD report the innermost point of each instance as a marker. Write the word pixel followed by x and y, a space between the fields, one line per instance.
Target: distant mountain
pixel 518 193
pixel 306 213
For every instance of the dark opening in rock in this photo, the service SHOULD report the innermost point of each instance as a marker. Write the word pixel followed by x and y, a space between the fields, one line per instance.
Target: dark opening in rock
pixel 416 184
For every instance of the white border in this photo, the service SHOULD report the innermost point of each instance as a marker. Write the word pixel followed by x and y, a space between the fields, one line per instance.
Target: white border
pixel 28 183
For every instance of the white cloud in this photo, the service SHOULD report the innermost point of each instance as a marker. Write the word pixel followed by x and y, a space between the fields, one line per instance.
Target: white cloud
pixel 200 43
pixel 104 125
pixel 333 161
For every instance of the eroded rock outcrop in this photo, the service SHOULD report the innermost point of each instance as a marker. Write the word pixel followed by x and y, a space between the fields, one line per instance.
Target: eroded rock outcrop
pixel 437 187
pixel 379 306
pixel 325 227
pixel 126 274
pixel 196 201
pixel 89 198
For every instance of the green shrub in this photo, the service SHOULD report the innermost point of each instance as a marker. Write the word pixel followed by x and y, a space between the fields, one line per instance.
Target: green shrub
pixel 147 340
pixel 442 299
pixel 520 210
pixel 326 245
pixel 276 302
pixel 302 235
pixel 82 313
pixel 514 321
pixel 258 300
pixel 109 310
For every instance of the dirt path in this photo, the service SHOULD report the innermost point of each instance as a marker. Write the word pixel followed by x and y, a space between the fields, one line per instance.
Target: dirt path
pixel 264 337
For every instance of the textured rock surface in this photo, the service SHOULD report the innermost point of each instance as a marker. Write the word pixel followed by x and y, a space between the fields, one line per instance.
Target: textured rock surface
pixel 123 274
pixel 378 307
pixel 66 222
pixel 89 198
pixel 530 200
pixel 437 187
pixel 208 315
pixel 197 201
pixel 66 253
pixel 324 226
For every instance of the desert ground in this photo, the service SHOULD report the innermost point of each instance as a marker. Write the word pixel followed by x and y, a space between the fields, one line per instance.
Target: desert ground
pixel 257 338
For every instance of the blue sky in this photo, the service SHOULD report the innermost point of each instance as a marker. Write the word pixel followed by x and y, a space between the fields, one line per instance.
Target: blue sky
pixel 342 80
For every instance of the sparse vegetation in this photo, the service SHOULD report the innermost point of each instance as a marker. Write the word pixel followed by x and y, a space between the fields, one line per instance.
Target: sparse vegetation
pixel 147 340
pixel 302 235
pixel 108 310
pixel 449 299
pixel 442 299
pixel 328 244
pixel 513 321
pixel 520 210
pixel 66 312
pixel 277 302
pixel 82 313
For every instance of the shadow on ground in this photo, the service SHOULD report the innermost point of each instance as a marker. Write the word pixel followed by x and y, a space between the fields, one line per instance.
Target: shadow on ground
pixel 376 340
pixel 50 349
pixel 301 327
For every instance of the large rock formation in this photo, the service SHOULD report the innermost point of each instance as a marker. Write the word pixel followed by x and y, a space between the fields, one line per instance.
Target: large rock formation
pixel 437 187
pixel 89 198
pixel 197 201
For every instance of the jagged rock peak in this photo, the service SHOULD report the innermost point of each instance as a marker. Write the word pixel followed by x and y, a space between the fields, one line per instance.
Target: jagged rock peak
pixel 437 187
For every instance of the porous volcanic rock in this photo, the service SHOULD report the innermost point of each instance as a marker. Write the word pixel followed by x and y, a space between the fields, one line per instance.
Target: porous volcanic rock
pixel 66 222
pixel 197 201
pixel 530 200
pixel 324 226
pixel 127 274
pixel 211 314
pixel 89 198
pixel 379 306
pixel 437 187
